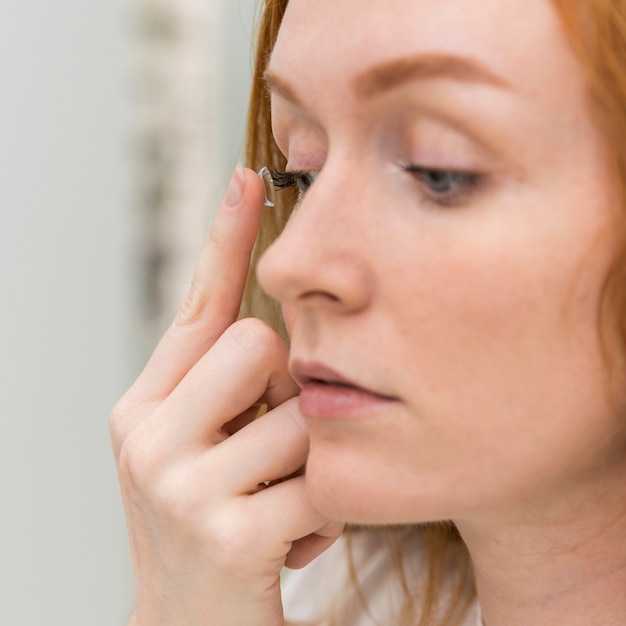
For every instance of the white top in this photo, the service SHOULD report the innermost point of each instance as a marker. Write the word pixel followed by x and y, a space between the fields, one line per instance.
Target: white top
pixel 307 593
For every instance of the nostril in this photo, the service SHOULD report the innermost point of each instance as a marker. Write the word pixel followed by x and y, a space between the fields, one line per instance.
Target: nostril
pixel 327 295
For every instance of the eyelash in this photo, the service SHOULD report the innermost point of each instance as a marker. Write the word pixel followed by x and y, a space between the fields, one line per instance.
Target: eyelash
pixel 294 178
pixel 464 184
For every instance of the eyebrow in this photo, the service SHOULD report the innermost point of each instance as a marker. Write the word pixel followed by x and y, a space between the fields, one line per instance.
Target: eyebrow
pixel 392 74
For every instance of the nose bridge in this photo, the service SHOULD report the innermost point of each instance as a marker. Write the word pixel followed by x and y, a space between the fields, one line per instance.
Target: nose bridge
pixel 317 257
pixel 319 222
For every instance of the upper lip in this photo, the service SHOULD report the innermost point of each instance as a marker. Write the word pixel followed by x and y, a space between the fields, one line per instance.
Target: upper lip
pixel 305 373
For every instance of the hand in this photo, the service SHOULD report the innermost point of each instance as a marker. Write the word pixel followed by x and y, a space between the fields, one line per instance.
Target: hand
pixel 215 502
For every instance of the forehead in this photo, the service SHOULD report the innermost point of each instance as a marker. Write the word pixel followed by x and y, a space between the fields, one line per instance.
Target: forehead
pixel 326 43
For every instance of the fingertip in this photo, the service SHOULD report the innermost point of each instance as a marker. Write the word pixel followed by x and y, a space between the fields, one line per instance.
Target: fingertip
pixel 255 337
pixel 253 185
pixel 305 550
pixel 245 187
pixel 236 187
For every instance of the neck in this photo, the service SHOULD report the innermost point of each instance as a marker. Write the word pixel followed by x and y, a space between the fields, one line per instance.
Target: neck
pixel 565 567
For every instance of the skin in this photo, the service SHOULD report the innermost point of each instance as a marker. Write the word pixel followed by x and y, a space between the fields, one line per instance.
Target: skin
pixel 479 319
pixel 192 462
pixel 490 306
pixel 477 322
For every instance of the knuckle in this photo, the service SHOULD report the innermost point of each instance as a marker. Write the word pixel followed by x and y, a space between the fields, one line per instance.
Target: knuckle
pixel 196 303
pixel 253 335
pixel 231 539
pixel 140 467
pixel 170 489
pixel 131 464
pixel 172 496
pixel 216 233
pixel 119 422
pixel 192 307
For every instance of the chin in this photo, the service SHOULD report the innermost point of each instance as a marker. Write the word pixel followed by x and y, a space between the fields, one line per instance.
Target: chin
pixel 356 491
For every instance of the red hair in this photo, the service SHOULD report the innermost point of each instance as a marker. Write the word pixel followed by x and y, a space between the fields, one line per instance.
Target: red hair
pixel 596 31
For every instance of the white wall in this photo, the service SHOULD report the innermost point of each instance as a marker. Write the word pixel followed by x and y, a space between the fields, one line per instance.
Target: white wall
pixel 68 309
pixel 235 39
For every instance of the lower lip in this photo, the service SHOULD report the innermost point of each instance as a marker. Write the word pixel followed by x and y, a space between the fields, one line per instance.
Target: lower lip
pixel 329 401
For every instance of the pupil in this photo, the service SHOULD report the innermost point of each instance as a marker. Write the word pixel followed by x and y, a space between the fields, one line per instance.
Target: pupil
pixel 304 182
pixel 439 181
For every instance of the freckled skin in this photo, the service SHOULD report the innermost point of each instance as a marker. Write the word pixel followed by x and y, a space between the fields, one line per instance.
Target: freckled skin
pixel 481 318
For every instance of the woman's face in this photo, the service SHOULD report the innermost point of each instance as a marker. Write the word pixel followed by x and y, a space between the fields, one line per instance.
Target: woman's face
pixel 442 276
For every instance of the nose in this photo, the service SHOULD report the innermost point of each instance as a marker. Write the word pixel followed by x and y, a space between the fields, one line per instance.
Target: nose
pixel 320 261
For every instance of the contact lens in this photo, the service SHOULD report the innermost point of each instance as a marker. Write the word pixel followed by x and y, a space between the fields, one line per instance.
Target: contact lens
pixel 268 183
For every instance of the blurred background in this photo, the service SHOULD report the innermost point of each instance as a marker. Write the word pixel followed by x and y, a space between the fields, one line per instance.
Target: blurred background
pixel 120 123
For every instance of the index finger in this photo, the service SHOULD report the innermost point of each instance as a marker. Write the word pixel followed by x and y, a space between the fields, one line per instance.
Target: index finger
pixel 214 297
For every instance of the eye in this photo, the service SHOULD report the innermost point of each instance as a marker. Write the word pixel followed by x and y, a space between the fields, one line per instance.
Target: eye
pixel 445 187
pixel 303 179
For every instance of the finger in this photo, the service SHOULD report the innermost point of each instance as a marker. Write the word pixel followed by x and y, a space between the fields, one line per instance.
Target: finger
pixel 246 364
pixel 243 419
pixel 304 550
pixel 285 513
pixel 216 289
pixel 272 448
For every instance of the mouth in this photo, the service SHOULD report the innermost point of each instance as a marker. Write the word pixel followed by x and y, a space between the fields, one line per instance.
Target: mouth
pixel 330 395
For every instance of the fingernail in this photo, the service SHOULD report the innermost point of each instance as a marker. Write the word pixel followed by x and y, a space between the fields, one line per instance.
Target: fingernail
pixel 236 187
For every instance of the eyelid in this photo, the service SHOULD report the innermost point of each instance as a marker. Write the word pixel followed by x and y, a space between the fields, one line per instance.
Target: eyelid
pixel 470 183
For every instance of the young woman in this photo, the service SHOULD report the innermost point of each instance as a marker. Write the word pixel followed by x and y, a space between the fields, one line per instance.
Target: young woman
pixel 450 277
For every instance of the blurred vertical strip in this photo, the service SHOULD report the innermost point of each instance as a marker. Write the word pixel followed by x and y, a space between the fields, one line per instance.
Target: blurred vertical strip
pixel 175 148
